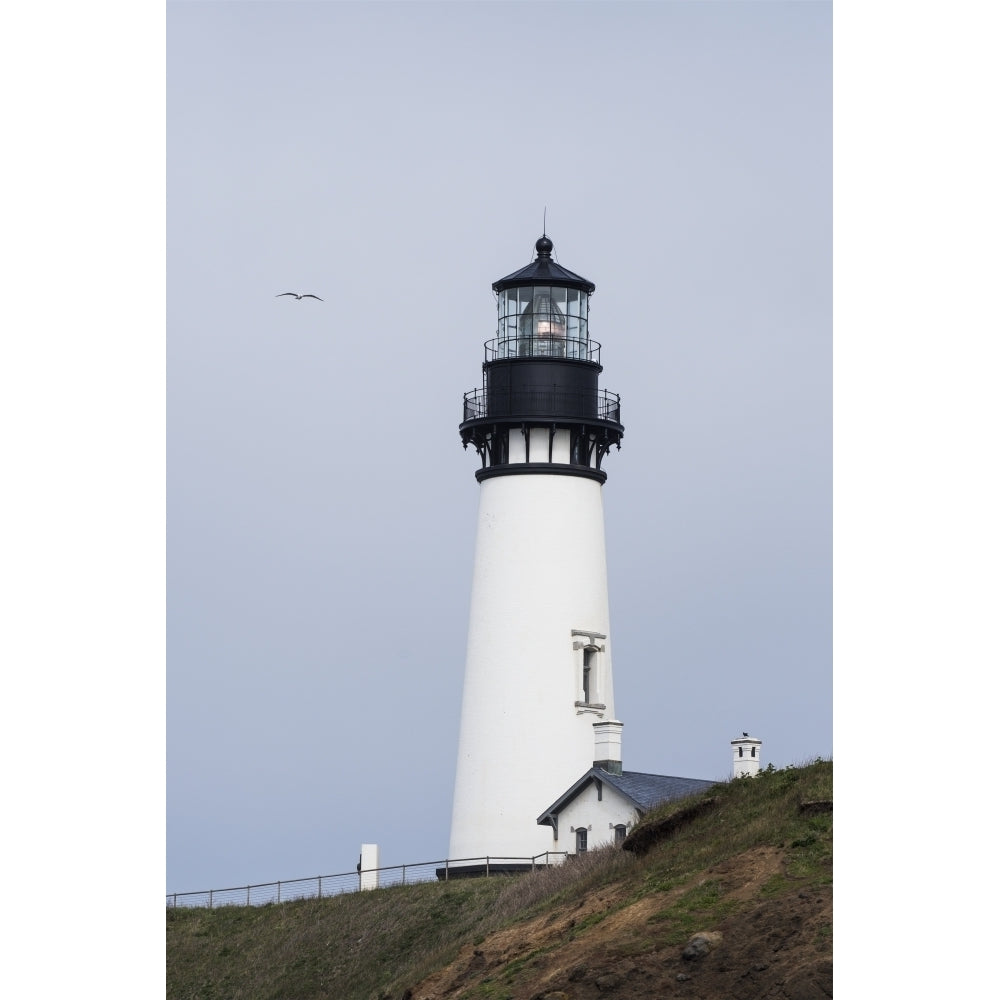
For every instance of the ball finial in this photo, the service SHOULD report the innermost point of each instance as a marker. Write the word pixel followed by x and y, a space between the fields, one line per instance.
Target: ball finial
pixel 543 246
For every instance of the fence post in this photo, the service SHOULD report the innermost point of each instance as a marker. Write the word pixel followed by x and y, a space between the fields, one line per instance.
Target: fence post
pixel 279 892
pixel 248 895
pixel 319 880
pixel 210 899
pixel 404 874
pixel 445 877
pixel 487 866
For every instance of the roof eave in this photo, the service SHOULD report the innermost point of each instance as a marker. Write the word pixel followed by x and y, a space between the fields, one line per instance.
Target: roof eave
pixel 544 272
pixel 594 774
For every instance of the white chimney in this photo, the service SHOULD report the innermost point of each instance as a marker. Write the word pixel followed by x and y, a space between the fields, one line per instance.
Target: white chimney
pixel 746 756
pixel 608 746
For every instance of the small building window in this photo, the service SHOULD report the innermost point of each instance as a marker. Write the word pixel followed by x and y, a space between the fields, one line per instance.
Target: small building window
pixel 581 840
pixel 619 834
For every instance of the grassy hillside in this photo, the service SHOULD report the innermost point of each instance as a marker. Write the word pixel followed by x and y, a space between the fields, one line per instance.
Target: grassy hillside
pixel 748 864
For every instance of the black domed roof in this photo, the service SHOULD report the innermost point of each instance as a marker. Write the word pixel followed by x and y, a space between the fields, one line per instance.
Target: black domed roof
pixel 543 270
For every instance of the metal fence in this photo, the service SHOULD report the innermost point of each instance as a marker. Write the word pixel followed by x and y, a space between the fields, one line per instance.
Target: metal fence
pixel 320 886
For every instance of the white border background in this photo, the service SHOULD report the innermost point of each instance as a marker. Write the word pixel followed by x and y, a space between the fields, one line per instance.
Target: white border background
pixel 82 399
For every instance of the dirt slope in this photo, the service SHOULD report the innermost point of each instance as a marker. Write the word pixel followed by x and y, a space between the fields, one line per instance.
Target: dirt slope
pixel 767 948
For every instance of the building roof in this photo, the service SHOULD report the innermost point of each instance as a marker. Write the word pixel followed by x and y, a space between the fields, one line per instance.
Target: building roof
pixel 643 790
pixel 648 790
pixel 543 270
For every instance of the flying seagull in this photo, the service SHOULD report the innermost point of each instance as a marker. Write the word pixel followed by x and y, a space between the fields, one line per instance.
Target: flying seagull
pixel 308 295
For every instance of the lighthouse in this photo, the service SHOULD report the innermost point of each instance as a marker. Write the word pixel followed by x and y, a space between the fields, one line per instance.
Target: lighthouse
pixel 538 703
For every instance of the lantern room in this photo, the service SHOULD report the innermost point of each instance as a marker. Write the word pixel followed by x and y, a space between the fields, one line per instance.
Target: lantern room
pixel 540 408
pixel 542 310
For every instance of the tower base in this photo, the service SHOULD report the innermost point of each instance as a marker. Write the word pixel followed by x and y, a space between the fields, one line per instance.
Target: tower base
pixel 502 866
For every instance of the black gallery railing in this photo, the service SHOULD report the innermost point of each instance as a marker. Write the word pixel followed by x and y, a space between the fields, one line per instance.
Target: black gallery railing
pixel 597 404
pixel 543 346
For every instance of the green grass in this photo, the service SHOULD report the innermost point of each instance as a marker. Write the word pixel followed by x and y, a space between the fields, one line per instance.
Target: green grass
pixel 700 907
pixel 371 945
pixel 512 969
pixel 752 812
pixel 346 946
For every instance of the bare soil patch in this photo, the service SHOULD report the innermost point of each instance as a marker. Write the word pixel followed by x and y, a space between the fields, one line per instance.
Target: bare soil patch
pixel 767 948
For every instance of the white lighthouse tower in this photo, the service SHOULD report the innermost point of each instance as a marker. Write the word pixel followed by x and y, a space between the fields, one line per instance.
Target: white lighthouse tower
pixel 538 663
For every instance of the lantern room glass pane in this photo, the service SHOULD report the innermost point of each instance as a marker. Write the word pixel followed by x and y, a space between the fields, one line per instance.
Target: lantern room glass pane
pixel 542 321
pixel 507 322
pixel 542 329
pixel 575 347
pixel 510 330
pixel 577 334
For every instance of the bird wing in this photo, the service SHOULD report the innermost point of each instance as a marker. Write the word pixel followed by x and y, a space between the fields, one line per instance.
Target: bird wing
pixel 278 296
pixel 309 295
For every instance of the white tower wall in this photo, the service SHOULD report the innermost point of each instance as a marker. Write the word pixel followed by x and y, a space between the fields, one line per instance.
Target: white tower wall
pixel 538 617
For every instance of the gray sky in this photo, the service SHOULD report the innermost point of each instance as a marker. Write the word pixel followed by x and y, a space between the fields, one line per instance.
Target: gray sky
pixel 396 160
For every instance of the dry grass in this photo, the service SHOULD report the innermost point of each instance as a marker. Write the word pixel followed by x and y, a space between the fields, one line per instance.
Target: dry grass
pixel 348 946
pixel 549 886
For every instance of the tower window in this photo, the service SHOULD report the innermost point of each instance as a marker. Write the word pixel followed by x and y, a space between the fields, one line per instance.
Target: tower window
pixel 741 751
pixel 589 671
pixel 589 680
pixel 588 663
pixel 753 751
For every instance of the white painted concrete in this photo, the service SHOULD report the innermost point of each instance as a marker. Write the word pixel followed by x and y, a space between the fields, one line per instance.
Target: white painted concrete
pixel 369 862
pixel 746 756
pixel 539 444
pixel 598 815
pixel 560 447
pixel 608 741
pixel 540 573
